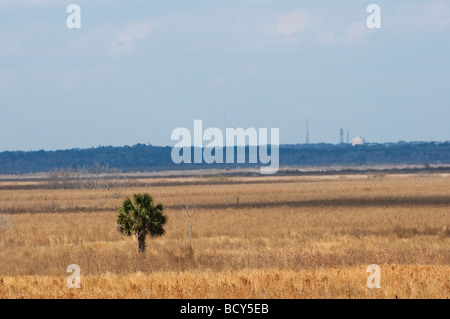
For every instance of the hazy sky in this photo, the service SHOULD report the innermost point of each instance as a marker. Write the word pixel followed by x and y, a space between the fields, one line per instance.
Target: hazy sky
pixel 136 70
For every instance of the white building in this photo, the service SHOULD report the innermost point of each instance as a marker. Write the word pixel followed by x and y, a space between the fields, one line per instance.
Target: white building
pixel 357 141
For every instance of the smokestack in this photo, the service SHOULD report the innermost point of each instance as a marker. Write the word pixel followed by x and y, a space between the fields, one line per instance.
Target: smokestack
pixel 307 132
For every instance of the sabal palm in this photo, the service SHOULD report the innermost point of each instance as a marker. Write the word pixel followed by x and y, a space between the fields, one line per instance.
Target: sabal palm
pixel 141 217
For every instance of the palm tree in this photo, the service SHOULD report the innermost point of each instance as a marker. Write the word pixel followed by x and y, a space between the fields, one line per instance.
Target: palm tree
pixel 141 217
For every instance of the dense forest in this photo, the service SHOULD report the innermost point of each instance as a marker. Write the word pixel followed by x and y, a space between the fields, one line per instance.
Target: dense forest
pixel 143 157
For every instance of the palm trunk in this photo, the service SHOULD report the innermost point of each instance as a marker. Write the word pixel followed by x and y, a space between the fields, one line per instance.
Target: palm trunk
pixel 141 239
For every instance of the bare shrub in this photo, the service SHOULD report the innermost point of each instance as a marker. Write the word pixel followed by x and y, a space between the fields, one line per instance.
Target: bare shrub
pixel 5 225
pixel 93 177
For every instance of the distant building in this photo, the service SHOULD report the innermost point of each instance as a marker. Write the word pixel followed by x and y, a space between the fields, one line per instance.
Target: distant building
pixel 357 141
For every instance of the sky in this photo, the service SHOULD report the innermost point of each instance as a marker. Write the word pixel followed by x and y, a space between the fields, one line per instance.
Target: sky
pixel 137 70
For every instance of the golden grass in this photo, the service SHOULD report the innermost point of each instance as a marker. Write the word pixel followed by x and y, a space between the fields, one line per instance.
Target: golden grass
pixel 286 235
pixel 350 282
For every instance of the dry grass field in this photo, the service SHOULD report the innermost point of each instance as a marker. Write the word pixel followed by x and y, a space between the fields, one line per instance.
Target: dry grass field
pixel 253 237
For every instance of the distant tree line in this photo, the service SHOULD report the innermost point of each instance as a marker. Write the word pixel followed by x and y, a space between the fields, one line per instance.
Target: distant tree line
pixel 141 157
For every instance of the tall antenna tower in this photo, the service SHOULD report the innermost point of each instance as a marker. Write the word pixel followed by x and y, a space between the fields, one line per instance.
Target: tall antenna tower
pixel 307 132
pixel 348 137
pixel 341 137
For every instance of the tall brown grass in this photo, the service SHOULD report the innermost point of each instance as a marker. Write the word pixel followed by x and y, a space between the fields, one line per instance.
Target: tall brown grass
pixel 288 228
pixel 349 282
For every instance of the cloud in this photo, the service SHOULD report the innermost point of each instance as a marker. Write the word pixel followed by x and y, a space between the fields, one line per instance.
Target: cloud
pixel 417 18
pixel 14 4
pixel 125 41
pixel 218 80
pixel 438 12
pixel 293 23
pixel 354 32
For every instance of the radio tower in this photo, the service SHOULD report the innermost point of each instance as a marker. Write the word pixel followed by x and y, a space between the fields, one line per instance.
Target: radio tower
pixel 341 137
pixel 307 132
pixel 348 137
